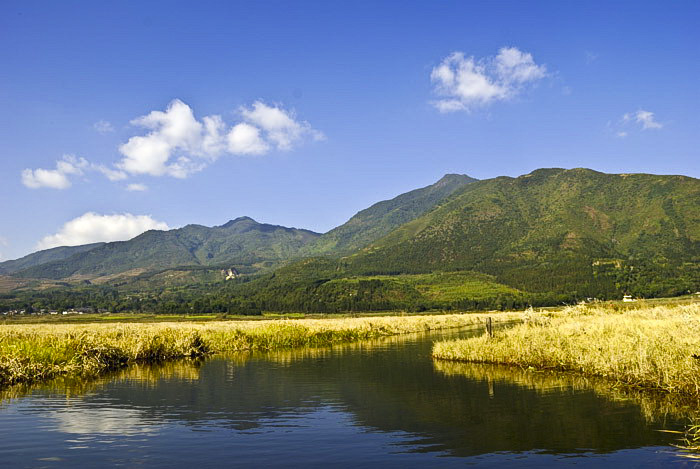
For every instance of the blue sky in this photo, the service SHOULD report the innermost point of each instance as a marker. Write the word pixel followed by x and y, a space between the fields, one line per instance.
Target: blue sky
pixel 335 105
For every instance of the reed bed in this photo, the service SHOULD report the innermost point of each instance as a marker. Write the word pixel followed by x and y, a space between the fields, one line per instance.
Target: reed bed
pixel 37 352
pixel 654 348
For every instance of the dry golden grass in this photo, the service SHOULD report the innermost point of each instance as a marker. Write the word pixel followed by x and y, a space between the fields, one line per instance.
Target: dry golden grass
pixel 649 347
pixel 35 352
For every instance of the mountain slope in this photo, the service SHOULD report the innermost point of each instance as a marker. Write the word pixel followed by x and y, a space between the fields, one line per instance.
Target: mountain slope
pixel 381 218
pixel 42 257
pixel 553 235
pixel 546 231
pixel 240 241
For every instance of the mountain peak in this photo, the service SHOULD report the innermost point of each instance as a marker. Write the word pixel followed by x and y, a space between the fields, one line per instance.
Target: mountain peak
pixel 453 177
pixel 238 220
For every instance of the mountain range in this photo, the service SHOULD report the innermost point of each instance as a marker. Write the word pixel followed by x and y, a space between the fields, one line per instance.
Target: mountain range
pixel 574 232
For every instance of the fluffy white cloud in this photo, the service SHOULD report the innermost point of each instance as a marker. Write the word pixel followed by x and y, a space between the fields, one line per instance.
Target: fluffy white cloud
pixel 58 178
pixel 643 118
pixel 175 130
pixel 280 126
pixel 465 83
pixel 103 127
pixel 92 227
pixel 245 139
pixel 136 187
pixel 178 144
pixel 69 165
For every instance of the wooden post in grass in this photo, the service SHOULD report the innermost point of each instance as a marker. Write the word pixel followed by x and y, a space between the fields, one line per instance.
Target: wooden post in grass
pixel 489 327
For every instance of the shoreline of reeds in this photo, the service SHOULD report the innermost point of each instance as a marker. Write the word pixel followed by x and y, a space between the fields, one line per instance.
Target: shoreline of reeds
pixel 655 348
pixel 39 352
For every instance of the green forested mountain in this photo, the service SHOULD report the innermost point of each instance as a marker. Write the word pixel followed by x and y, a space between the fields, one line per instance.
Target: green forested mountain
pixel 553 230
pixel 544 238
pixel 242 241
pixel 552 235
pixel 42 257
pixel 381 218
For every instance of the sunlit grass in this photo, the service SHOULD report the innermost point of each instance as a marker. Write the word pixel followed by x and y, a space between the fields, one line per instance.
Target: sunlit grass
pixel 35 352
pixel 649 347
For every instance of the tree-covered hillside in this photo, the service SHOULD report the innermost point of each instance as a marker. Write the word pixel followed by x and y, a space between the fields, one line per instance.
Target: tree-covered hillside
pixel 42 257
pixel 240 241
pixel 383 217
pixel 555 230
pixel 544 238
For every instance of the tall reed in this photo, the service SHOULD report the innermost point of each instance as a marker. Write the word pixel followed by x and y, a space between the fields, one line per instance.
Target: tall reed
pixel 654 347
pixel 35 352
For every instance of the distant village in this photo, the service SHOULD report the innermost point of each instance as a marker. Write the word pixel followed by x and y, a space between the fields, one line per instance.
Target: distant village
pixel 41 312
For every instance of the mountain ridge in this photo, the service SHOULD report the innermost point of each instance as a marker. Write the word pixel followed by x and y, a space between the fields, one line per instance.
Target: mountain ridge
pixel 239 241
pixel 188 246
pixel 382 217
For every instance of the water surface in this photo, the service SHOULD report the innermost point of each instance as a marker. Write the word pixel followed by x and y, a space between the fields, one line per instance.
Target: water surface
pixel 383 403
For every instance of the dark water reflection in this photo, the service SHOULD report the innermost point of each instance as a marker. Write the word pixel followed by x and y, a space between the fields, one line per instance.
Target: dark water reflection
pixel 374 403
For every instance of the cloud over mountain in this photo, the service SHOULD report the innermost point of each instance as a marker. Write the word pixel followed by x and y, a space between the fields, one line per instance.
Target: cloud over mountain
pixel 92 227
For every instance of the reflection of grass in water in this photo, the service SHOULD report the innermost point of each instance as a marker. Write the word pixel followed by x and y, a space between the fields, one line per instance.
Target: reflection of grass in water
pixel 37 352
pixel 655 406
pixel 652 348
pixel 149 375
pixel 691 440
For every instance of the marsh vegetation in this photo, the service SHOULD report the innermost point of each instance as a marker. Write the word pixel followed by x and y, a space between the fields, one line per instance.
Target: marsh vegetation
pixel 654 347
pixel 35 352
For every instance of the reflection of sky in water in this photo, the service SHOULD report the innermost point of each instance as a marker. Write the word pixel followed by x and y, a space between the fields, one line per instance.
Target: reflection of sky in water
pixel 101 421
pixel 379 403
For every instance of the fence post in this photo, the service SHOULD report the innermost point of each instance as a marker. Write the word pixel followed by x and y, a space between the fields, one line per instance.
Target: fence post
pixel 489 327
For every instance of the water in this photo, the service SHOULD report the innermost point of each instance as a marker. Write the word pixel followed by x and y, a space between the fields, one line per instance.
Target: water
pixel 374 403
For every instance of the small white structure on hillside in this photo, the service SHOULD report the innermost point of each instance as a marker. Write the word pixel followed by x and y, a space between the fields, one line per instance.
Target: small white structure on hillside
pixel 628 299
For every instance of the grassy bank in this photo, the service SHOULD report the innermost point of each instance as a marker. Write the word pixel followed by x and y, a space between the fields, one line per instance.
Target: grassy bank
pixel 654 347
pixel 35 352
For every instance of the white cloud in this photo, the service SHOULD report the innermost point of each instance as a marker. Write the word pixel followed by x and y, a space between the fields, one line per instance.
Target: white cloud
pixel 634 122
pixel 643 118
pixel 178 144
pixel 280 126
pixel 111 174
pixel 58 178
pixel 69 165
pixel 92 227
pixel 103 127
pixel 465 83
pixel 245 139
pixel 175 130
pixel 137 187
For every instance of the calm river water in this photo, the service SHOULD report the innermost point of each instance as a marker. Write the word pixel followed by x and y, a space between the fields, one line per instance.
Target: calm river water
pixel 368 404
